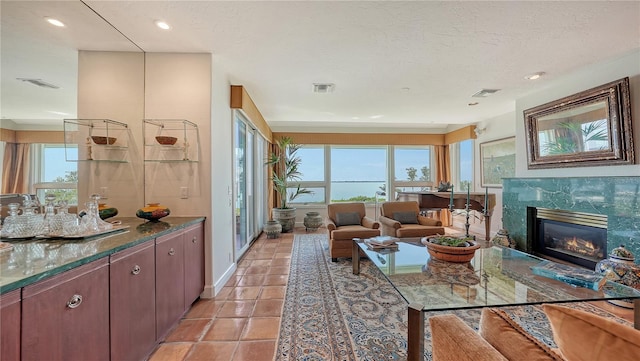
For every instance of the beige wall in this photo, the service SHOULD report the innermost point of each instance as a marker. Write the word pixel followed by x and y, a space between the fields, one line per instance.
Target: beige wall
pixel 111 86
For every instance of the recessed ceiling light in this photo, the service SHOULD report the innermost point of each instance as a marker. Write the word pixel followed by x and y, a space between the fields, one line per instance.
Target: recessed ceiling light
pixel 534 76
pixel 378 116
pixel 55 22
pixel 472 104
pixel 162 25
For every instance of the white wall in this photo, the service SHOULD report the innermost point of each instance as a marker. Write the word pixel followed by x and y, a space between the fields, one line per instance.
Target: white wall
pixel 222 211
pixel 583 79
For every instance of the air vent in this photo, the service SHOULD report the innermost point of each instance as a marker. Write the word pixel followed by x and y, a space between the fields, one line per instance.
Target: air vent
pixel 323 87
pixel 40 83
pixel 484 93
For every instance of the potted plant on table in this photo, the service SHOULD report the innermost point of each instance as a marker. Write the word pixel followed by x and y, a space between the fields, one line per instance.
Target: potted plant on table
pixel 285 172
pixel 451 248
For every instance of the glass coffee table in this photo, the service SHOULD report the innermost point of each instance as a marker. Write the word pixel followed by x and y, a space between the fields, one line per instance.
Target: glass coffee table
pixel 495 277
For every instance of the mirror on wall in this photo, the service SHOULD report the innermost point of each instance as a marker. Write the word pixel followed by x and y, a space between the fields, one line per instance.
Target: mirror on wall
pixel 39 73
pixel 590 128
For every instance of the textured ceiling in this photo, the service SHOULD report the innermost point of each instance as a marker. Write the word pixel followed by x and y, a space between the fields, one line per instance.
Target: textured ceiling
pixel 396 65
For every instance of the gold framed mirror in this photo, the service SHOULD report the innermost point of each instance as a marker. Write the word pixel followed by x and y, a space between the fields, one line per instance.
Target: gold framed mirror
pixel 590 128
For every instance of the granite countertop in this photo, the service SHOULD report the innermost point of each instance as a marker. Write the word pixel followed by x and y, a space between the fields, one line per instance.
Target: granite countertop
pixel 33 260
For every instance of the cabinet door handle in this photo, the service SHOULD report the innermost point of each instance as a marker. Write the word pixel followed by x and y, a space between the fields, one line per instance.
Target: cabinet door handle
pixel 135 270
pixel 172 252
pixel 75 301
pixel 194 240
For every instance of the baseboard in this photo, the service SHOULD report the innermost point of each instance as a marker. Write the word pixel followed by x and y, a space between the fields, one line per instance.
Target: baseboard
pixel 210 291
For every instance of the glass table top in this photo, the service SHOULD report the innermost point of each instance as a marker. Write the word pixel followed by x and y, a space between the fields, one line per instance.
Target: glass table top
pixel 496 276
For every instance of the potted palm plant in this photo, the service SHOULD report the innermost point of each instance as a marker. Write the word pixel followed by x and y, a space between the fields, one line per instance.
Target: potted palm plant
pixel 284 174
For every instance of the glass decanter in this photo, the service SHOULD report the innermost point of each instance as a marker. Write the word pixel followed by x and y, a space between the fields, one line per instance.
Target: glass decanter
pixel 91 221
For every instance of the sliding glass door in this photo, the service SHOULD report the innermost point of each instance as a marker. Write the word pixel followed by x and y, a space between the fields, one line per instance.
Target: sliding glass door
pixel 249 184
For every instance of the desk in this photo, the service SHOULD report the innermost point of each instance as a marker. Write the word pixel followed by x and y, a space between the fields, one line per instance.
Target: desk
pixel 495 277
pixel 440 200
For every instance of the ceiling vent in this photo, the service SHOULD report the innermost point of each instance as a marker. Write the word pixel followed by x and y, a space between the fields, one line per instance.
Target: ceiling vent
pixel 40 83
pixel 323 88
pixel 484 93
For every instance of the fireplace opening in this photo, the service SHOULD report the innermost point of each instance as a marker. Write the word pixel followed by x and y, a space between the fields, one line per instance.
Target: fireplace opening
pixel 578 238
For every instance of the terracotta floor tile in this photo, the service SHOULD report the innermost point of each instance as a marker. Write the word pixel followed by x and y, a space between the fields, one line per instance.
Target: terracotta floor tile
pixel 189 330
pixel 261 328
pixel 204 308
pixel 275 280
pixel 233 280
pixel 251 280
pixel 236 309
pixel 267 308
pixel 257 270
pixel 224 293
pixel 284 249
pixel 280 270
pixel 212 351
pixel 175 351
pixel 243 263
pixel 240 271
pixel 261 262
pixel 273 292
pixel 266 255
pixel 255 351
pixel 244 293
pixel 225 329
pixel 280 262
pixel 282 255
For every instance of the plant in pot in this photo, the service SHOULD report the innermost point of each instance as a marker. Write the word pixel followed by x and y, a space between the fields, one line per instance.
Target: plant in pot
pixel 285 173
pixel 451 248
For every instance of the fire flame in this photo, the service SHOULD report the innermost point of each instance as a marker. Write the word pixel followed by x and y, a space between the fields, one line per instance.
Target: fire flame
pixel 581 246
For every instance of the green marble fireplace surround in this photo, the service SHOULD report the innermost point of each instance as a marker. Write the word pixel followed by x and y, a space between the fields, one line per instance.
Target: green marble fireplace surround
pixel 616 197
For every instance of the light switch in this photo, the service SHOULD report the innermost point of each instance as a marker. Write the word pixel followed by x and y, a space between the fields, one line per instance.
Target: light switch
pixel 184 192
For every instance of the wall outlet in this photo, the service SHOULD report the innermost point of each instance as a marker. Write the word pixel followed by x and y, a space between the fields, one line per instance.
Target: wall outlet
pixel 184 192
pixel 104 192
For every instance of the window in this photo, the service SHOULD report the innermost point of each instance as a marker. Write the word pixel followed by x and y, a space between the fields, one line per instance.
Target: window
pixel 357 173
pixel 312 167
pixel 53 174
pixel 412 169
pixel 462 165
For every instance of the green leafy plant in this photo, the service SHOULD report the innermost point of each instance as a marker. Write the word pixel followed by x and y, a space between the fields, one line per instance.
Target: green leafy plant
pixel 451 241
pixel 286 171
pixel 594 131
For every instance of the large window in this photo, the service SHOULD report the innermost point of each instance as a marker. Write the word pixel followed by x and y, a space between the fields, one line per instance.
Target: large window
pixel 312 167
pixel 53 174
pixel 412 169
pixel 462 165
pixel 357 173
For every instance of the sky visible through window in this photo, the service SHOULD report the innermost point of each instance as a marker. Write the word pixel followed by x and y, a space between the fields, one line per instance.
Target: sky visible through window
pixel 55 164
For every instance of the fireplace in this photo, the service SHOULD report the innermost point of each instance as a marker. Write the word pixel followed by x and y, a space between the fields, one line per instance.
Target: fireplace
pixel 574 237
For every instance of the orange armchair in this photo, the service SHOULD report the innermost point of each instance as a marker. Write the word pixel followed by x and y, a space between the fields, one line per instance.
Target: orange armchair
pixel 403 219
pixel 346 222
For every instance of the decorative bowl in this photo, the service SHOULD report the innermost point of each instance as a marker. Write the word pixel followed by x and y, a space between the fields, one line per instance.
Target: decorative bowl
pixel 457 254
pixel 103 140
pixel 106 212
pixel 153 212
pixel 164 140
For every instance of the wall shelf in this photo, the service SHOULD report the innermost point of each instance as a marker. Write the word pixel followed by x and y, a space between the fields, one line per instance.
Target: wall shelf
pixel 88 140
pixel 186 147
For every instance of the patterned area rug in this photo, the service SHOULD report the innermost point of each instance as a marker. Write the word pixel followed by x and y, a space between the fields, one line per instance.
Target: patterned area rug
pixel 331 314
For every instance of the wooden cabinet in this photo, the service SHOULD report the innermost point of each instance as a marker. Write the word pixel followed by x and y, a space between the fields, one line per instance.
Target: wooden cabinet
pixel 169 282
pixel 193 263
pixel 132 302
pixel 10 326
pixel 66 317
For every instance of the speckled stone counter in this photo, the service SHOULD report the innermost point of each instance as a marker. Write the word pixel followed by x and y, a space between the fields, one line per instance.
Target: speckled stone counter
pixel 33 260
pixel 616 197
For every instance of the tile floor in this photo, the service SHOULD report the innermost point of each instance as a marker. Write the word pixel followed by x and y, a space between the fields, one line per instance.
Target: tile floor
pixel 243 321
